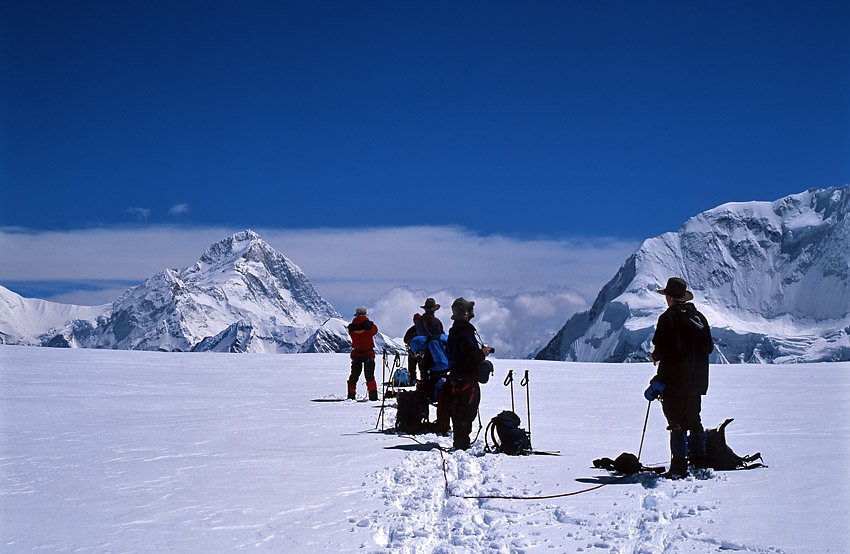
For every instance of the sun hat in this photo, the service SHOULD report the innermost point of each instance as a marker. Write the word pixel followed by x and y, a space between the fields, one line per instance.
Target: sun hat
pixel 430 305
pixel 677 289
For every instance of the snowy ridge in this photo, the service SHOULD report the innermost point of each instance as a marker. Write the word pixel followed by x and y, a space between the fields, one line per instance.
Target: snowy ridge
pixel 773 279
pixel 23 320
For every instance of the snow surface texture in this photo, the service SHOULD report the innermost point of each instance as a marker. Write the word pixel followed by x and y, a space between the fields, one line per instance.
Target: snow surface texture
pixel 773 279
pixel 122 451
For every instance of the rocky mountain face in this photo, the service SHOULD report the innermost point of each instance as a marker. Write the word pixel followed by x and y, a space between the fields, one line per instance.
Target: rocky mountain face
pixel 241 296
pixel 773 279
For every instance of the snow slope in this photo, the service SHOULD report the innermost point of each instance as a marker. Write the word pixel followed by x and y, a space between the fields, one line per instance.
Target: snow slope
pixel 22 320
pixel 128 451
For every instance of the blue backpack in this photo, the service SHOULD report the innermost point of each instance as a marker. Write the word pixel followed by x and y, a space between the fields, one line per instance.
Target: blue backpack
pixel 436 347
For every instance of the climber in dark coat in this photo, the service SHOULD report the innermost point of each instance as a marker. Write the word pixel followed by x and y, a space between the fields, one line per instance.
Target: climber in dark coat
pixel 682 343
pixel 465 353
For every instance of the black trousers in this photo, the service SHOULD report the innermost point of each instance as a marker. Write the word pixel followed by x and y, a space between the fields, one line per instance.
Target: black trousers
pixel 466 396
pixel 360 365
pixel 682 411
pixel 687 436
pixel 412 362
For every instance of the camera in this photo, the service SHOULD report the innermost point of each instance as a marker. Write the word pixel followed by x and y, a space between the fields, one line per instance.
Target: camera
pixel 492 350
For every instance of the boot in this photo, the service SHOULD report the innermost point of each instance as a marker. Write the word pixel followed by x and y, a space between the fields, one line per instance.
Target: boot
pixel 352 391
pixel 372 387
pixel 699 462
pixel 678 468
pixel 696 449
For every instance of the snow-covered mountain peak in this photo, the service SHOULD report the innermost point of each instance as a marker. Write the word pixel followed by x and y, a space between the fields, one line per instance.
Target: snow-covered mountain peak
pixel 241 295
pixel 229 250
pixel 772 277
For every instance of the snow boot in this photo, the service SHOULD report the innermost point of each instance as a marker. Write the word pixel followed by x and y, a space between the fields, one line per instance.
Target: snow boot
pixel 352 391
pixel 696 449
pixel 372 387
pixel 699 462
pixel 678 468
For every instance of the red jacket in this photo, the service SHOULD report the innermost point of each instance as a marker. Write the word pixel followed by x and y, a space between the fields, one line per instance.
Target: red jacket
pixel 362 330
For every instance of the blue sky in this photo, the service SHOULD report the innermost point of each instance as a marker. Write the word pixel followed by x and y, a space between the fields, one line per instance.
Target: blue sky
pixel 562 122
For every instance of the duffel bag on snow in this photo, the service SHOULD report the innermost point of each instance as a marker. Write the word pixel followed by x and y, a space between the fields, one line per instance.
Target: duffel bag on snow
pixel 720 457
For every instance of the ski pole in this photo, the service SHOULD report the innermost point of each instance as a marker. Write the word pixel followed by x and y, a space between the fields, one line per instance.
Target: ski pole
pixel 384 367
pixel 524 383
pixel 384 387
pixel 509 380
pixel 643 433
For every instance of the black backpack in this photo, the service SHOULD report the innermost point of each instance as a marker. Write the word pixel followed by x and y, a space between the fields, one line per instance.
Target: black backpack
pixel 512 439
pixel 626 464
pixel 720 457
pixel 412 413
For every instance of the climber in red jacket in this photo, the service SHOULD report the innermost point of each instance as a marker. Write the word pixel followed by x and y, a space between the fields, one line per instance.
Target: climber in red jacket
pixel 362 331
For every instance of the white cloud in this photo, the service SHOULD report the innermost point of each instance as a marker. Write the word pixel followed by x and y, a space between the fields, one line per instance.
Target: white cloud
pixel 515 324
pixel 179 209
pixel 391 270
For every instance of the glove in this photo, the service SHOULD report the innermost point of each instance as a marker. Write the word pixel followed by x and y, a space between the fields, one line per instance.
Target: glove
pixel 654 390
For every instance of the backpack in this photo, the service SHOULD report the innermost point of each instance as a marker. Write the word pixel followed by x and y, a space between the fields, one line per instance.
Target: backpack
pixel 720 457
pixel 626 463
pixel 436 347
pixel 412 413
pixel 512 439
pixel 401 378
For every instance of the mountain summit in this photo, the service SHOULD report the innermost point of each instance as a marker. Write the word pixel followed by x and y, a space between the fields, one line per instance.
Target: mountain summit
pixel 241 295
pixel 773 279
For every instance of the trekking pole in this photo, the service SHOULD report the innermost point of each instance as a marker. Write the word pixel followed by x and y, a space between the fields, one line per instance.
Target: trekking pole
pixel 524 383
pixel 509 380
pixel 380 416
pixel 397 366
pixel 384 368
pixel 381 412
pixel 384 395
pixel 643 433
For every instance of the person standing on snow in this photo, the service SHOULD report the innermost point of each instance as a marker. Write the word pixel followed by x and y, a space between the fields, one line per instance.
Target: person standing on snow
pixel 465 354
pixel 682 344
pixel 430 327
pixel 362 331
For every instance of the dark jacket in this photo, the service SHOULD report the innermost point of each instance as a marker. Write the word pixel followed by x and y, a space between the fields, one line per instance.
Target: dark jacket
pixel 682 344
pixel 463 351
pixel 429 326
pixel 362 330
pixel 409 335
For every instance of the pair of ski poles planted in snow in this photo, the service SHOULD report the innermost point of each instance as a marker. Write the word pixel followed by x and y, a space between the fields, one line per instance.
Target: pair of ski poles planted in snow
pixel 388 385
pixel 509 381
